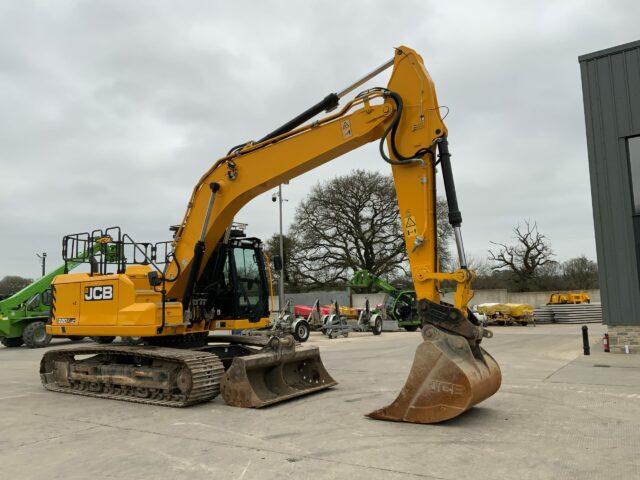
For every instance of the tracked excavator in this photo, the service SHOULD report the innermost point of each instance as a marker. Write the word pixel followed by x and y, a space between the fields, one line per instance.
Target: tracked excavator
pixel 210 277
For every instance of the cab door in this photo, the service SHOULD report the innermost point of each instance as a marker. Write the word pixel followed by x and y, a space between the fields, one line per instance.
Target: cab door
pixel 249 277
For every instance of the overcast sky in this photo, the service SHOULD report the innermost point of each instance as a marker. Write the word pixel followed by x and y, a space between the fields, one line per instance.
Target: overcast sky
pixel 111 111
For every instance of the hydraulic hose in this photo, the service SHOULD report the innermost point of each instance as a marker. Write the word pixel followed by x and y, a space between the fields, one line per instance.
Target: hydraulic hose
pixel 392 130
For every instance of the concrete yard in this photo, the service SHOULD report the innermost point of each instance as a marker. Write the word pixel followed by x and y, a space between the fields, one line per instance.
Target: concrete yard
pixel 558 415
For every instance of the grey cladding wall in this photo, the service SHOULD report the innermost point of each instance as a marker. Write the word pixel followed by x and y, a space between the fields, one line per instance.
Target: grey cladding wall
pixel 611 92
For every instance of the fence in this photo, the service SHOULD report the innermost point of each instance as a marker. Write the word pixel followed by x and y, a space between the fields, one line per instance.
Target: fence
pixel 349 299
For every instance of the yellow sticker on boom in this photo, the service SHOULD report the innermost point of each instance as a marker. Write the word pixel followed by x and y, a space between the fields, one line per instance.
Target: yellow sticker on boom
pixel 410 227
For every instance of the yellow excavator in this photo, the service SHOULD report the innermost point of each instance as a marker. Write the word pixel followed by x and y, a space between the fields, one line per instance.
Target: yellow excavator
pixel 212 277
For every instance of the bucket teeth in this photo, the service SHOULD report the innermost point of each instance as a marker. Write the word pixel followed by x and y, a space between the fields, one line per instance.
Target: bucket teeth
pixel 448 376
pixel 269 377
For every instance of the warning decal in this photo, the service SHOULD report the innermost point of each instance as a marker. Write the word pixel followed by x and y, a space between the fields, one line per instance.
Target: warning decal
pixel 410 229
pixel 346 128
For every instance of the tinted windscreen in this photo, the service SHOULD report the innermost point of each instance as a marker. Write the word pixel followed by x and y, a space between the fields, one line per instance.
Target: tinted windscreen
pixel 248 274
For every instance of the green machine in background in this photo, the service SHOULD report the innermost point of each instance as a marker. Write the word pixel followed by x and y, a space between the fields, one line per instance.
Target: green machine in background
pixel 24 315
pixel 399 305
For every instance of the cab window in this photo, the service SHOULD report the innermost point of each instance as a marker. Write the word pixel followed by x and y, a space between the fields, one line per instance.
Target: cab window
pixel 248 278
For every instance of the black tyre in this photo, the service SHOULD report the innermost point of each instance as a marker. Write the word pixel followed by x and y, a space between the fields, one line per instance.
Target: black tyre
pixel 410 328
pixel 326 331
pixel 35 335
pixel 377 326
pixel 75 338
pixel 103 340
pixel 301 331
pixel 11 342
pixel 132 340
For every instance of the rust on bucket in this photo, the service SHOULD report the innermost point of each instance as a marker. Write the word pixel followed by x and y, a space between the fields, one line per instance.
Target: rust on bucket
pixel 449 375
pixel 275 375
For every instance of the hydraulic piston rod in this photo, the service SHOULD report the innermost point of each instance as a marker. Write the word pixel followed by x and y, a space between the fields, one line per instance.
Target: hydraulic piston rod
pixel 198 249
pixel 326 105
pixel 366 78
pixel 455 217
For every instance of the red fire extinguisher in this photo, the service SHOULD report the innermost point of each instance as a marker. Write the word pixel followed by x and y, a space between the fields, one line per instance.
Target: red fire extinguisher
pixel 605 342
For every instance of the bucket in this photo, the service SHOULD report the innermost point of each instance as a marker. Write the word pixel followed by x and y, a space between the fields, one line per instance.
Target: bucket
pixel 449 375
pixel 281 371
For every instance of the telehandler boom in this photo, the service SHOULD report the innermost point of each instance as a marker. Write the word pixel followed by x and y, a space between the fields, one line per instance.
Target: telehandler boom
pixel 213 279
pixel 23 315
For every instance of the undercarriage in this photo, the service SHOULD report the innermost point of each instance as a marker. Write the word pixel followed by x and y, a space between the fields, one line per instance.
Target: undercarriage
pixel 259 372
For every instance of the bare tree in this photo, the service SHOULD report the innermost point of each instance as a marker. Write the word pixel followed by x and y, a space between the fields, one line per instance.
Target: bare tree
pixel 580 273
pixel 351 223
pixel 526 258
pixel 290 245
pixel 479 265
pixel 445 233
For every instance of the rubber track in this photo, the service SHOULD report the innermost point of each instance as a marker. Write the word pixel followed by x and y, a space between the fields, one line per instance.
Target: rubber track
pixel 206 370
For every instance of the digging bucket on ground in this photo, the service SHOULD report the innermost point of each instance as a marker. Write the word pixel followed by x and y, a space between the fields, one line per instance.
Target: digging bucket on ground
pixel 281 371
pixel 449 375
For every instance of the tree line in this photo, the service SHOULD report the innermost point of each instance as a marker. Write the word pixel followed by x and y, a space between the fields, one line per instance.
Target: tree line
pixel 352 222
pixel 10 284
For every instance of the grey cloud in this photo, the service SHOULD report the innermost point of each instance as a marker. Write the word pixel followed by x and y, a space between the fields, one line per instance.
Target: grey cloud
pixel 112 110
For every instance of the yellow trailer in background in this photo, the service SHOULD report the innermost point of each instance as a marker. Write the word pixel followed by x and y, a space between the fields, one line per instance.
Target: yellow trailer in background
pixel 568 298
pixel 507 313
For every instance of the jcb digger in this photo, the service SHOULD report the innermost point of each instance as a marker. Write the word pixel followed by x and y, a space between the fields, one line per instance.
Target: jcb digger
pixel 210 278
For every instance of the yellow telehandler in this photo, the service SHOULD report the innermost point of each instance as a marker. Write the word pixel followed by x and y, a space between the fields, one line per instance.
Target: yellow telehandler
pixel 210 278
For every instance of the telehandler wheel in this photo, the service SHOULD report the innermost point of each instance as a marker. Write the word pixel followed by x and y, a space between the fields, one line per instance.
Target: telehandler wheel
pixel 11 342
pixel 302 331
pixel 35 335
pixel 103 340
pixel 132 340
pixel 377 326
pixel 410 328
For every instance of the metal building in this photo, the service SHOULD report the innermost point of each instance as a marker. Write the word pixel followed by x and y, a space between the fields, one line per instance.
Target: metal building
pixel 611 93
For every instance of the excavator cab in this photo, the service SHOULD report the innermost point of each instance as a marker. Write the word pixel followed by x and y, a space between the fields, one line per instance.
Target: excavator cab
pixel 234 283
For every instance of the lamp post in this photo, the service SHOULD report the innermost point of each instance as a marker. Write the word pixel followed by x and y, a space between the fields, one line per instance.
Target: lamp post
pixel 278 195
pixel 43 259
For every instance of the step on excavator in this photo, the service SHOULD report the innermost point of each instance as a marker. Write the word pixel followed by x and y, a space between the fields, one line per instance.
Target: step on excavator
pixel 209 277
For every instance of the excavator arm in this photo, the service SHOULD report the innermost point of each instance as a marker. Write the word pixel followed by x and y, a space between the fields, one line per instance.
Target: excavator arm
pixel 406 115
